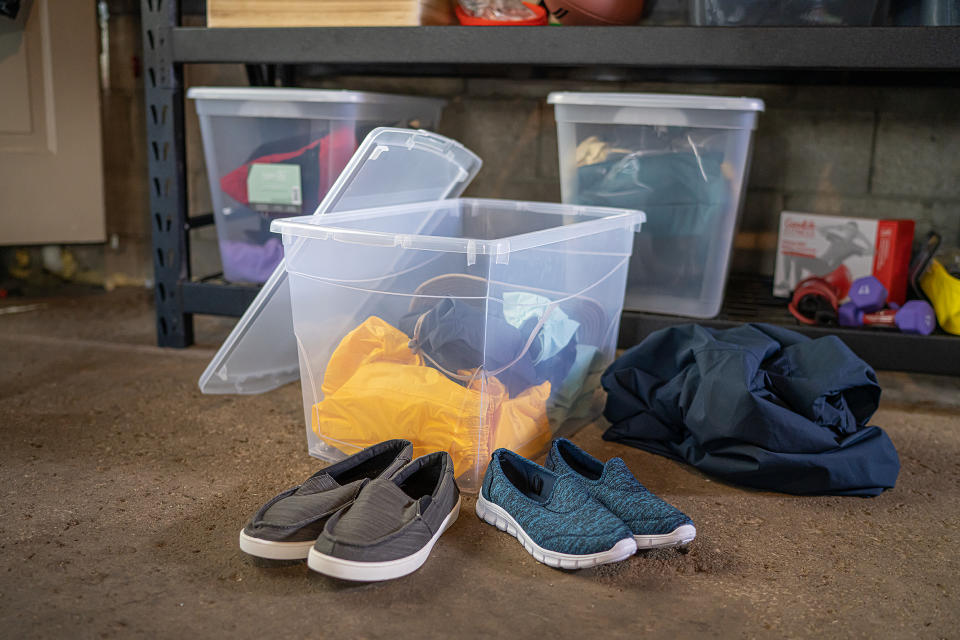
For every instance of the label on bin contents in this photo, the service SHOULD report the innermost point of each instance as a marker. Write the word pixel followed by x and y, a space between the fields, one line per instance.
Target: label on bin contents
pixel 275 188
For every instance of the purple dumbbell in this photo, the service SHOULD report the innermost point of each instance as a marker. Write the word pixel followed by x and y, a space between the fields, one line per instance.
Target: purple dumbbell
pixel 915 316
pixel 868 294
pixel 849 316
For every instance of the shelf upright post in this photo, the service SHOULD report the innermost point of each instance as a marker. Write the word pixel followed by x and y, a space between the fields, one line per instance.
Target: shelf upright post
pixel 163 88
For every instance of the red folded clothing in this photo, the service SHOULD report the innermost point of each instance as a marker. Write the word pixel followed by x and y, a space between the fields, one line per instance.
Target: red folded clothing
pixel 320 161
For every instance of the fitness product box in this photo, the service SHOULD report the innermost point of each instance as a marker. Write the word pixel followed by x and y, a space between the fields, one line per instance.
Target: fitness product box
pixel 814 245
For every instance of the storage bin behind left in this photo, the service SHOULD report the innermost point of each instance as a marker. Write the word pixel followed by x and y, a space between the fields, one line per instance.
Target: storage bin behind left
pixel 273 153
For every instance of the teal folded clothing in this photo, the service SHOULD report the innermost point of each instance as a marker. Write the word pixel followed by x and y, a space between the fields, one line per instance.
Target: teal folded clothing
pixel 687 200
pixel 682 193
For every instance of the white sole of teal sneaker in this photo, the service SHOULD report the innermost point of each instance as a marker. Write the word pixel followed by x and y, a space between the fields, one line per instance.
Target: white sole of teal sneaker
pixel 274 550
pixel 497 516
pixel 680 536
pixel 358 571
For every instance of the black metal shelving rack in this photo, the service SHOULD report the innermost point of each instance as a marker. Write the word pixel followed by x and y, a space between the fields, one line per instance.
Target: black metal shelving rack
pixel 867 55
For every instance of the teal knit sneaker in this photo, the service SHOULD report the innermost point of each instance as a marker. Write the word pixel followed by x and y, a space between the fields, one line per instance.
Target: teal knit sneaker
pixel 653 522
pixel 551 515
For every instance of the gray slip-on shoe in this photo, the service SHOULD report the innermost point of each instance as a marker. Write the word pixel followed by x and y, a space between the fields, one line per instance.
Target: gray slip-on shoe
pixel 287 526
pixel 391 527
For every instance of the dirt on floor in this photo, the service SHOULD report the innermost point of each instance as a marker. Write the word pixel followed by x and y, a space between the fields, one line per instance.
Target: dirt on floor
pixel 125 489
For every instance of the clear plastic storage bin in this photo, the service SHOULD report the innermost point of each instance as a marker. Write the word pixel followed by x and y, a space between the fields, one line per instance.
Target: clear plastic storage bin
pixel 274 152
pixel 826 13
pixel 683 161
pixel 464 325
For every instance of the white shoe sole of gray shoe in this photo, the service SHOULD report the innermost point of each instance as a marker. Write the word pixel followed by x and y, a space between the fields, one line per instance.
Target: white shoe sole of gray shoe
pixel 680 536
pixel 358 571
pixel 274 550
pixel 495 515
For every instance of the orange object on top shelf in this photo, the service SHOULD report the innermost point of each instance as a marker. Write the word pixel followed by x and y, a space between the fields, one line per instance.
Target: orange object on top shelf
pixel 473 21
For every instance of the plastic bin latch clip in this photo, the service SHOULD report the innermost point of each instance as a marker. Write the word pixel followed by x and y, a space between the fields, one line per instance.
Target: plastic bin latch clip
pixel 471 252
pixel 503 253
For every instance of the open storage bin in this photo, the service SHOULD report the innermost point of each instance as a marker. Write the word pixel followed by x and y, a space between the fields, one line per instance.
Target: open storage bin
pixel 275 152
pixel 683 161
pixel 461 324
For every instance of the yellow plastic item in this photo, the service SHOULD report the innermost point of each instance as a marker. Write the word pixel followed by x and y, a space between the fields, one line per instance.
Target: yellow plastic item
pixel 944 293
pixel 375 388
pixel 593 150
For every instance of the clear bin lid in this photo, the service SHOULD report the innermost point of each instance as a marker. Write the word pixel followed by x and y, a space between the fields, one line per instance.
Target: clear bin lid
pixel 391 166
pixel 272 94
pixel 654 101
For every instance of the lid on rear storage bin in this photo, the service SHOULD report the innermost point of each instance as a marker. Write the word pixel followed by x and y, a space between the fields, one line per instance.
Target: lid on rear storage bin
pixel 391 166
pixel 300 103
pixel 656 109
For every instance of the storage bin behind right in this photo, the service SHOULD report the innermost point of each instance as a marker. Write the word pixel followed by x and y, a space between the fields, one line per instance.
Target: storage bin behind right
pixel 681 159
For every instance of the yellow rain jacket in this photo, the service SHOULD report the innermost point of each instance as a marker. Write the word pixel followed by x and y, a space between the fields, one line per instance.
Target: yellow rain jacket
pixel 376 388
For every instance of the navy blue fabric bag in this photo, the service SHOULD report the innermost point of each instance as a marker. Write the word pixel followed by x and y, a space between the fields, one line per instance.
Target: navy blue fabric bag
pixel 757 405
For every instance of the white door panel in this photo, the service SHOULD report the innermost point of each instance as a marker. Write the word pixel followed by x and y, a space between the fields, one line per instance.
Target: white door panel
pixel 51 177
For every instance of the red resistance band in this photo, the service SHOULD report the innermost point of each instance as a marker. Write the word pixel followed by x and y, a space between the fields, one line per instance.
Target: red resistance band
pixel 817 287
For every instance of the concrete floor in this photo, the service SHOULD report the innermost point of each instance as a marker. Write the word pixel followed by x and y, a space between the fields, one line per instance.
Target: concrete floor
pixel 125 488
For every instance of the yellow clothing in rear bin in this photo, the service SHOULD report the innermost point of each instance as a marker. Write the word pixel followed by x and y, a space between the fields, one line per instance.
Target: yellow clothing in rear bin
pixel 376 388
